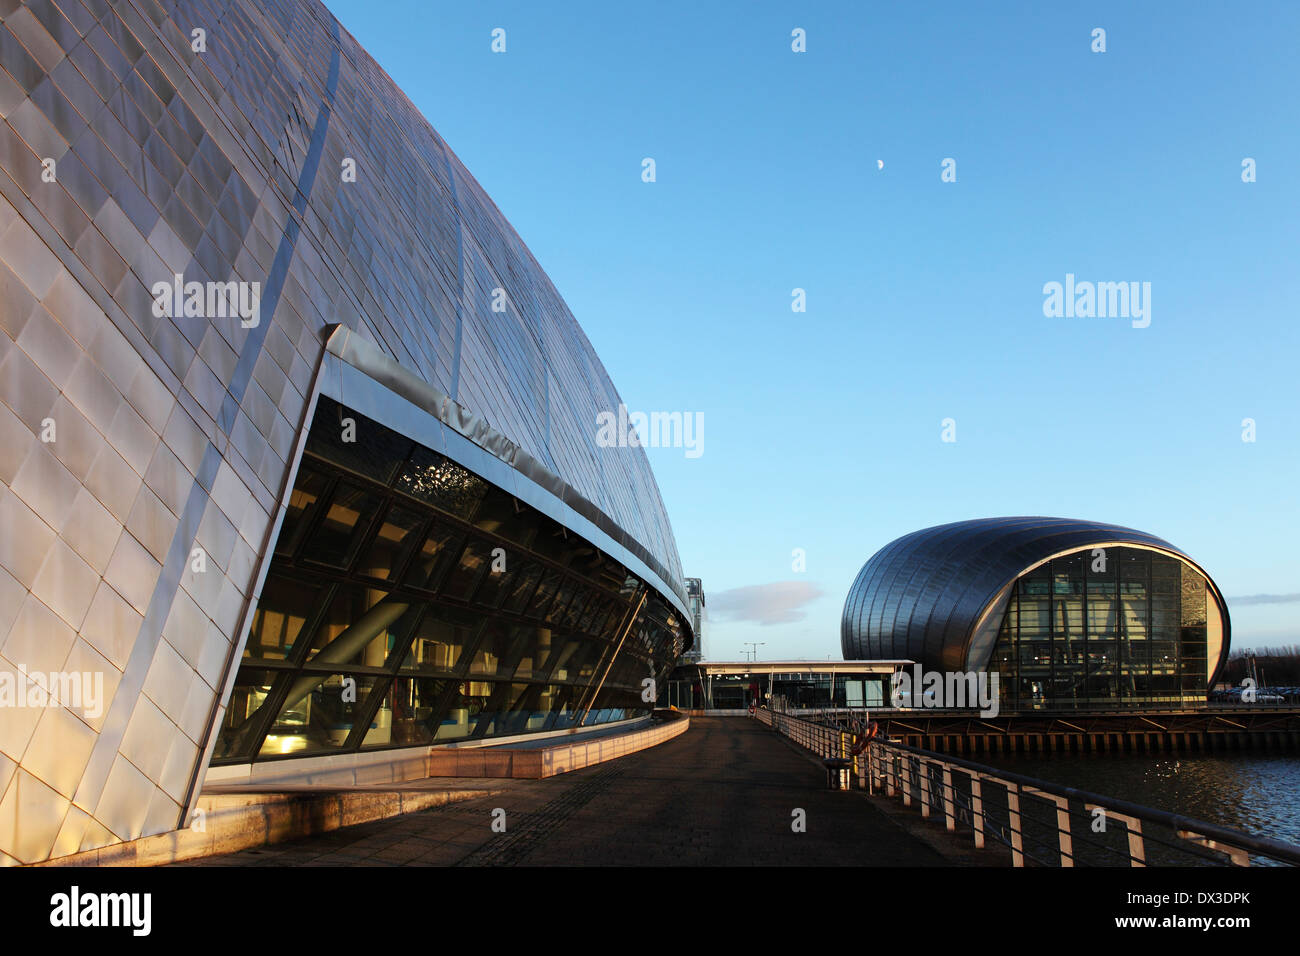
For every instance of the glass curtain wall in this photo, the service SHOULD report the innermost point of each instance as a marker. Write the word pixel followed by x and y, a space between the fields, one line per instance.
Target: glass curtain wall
pixel 410 602
pixel 1100 629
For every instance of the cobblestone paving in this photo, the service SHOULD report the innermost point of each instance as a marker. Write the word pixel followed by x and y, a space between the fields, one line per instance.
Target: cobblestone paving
pixel 721 794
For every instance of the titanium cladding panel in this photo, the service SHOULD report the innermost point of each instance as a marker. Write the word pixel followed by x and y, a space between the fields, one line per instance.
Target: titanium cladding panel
pixel 134 149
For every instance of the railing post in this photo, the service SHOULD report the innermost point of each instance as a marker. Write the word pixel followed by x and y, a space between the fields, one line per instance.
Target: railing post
pixel 1013 822
pixel 977 809
pixel 889 767
pixel 1136 846
pixel 1137 851
pixel 1062 823
pixel 949 820
pixel 1137 855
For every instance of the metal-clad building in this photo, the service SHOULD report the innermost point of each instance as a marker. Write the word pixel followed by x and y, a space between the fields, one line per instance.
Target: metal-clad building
pixel 297 440
pixel 1069 613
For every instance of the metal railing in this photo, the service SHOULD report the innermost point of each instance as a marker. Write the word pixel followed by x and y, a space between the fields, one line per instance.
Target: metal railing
pixel 1037 822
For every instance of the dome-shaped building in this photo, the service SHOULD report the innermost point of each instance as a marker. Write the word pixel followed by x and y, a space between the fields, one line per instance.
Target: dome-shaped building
pixel 1068 613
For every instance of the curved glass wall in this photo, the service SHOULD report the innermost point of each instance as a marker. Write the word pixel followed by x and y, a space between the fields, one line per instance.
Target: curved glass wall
pixel 1104 628
pixel 410 602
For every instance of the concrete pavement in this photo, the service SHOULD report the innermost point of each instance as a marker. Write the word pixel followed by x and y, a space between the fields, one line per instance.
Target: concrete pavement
pixel 724 793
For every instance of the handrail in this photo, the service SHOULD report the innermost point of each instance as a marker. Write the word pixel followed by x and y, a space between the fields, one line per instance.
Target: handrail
pixel 1263 845
pixel 896 767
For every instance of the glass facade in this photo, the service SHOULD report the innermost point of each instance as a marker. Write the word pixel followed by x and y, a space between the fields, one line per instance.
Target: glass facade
pixel 696 687
pixel 410 602
pixel 1105 628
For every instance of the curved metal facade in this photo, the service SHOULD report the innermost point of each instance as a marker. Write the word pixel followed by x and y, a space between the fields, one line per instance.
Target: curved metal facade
pixel 227 141
pixel 922 596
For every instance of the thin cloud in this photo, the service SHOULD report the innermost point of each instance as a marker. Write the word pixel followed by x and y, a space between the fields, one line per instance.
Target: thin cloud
pixel 1265 599
pixel 781 602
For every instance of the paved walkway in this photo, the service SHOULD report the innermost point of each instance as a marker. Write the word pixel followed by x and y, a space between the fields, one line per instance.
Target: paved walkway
pixel 721 794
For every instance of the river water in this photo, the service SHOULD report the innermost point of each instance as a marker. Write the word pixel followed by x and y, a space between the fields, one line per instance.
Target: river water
pixel 1259 793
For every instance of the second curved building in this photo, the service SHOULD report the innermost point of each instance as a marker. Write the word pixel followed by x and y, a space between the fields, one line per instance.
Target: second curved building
pixel 1068 613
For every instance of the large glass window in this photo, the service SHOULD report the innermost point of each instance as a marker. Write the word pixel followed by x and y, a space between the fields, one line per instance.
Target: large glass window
pixel 1124 626
pixel 340 530
pixel 441 637
pixel 464 576
pixel 496 654
pixel 503 564
pixel 438 553
pixel 318 713
pixel 409 602
pixel 287 606
pixel 244 719
pixel 522 588
pixel 360 627
pixel 536 652
pixel 351 441
pixel 413 708
pixel 392 543
pixel 306 494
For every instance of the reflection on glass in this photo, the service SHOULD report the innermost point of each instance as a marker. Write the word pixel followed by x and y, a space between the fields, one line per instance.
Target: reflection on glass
pixel 464 576
pixel 563 595
pixel 595 611
pixel 318 713
pixel 496 584
pixel 307 491
pixel 441 482
pixel 440 638
pixel 409 714
pixel 545 591
pixel 522 588
pixel 354 442
pixel 285 607
pixel 467 701
pixel 573 612
pixel 494 656
pixel 360 627
pixel 498 514
pixel 392 544
pixel 535 652
pixel 240 723
pixel 339 533
pixel 439 550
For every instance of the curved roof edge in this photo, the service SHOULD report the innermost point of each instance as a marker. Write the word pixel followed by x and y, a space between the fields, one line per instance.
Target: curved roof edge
pixel 356 351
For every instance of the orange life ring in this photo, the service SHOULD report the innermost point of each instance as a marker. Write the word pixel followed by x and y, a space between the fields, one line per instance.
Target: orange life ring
pixel 868 734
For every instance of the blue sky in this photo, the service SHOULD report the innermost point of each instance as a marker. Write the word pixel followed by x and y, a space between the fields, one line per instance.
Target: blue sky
pixel 822 430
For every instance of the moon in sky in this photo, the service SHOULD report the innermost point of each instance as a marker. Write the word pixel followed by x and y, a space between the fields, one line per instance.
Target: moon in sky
pixel 880 164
